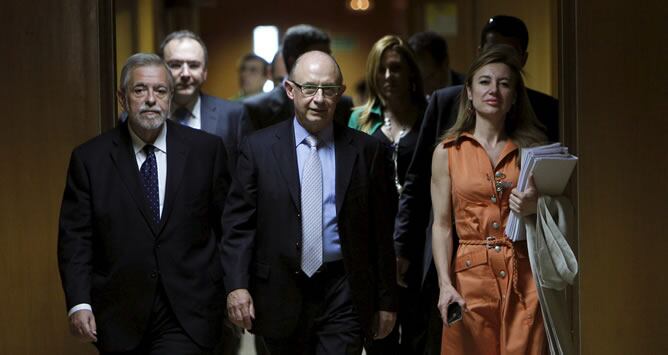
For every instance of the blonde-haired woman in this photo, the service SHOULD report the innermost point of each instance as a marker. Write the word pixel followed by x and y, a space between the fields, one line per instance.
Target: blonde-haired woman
pixel 396 101
pixel 393 113
pixel 474 174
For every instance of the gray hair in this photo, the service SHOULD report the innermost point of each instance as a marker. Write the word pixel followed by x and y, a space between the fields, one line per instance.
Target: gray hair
pixel 180 35
pixel 143 60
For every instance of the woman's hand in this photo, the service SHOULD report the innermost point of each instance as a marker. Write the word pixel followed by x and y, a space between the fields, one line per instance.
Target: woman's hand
pixel 525 203
pixel 448 295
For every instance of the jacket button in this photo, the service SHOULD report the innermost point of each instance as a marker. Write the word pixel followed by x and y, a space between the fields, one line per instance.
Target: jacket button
pixel 154 274
pixel 296 272
pixel 502 274
pixel 497 248
pixel 495 225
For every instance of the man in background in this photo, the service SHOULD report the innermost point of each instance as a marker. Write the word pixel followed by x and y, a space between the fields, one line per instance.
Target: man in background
pixel 431 53
pixel 272 107
pixel 253 73
pixel 186 57
pixel 185 54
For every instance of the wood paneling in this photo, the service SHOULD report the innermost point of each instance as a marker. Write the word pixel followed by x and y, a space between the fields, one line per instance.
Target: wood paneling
pixel 615 72
pixel 50 95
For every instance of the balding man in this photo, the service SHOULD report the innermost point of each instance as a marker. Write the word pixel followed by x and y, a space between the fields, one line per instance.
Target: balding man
pixel 275 106
pixel 307 250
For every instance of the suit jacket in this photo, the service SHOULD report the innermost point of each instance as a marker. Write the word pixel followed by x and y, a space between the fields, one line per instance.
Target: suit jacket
pixel 113 257
pixel 414 215
pixel 262 219
pixel 228 120
pixel 275 106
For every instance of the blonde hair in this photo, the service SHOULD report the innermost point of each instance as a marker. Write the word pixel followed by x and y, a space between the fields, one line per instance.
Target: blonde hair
pixel 521 124
pixel 373 63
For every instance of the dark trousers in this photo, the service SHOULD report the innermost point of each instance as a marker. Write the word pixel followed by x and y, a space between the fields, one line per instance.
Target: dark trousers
pixel 328 323
pixel 164 335
pixel 230 341
pixel 418 328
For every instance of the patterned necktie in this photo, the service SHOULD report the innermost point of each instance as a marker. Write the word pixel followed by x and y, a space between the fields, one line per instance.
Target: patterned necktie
pixel 312 210
pixel 149 179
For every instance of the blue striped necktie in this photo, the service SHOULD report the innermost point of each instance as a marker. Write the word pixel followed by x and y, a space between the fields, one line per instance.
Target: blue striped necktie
pixel 312 210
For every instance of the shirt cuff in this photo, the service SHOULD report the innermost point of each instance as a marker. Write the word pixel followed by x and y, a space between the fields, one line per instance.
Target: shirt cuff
pixel 79 307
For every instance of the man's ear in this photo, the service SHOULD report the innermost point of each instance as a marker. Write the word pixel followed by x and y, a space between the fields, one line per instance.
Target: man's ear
pixel 289 89
pixel 204 73
pixel 524 58
pixel 343 89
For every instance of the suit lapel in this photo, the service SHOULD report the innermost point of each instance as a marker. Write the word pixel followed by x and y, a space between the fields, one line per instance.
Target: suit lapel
pixel 124 159
pixel 208 114
pixel 177 153
pixel 346 155
pixel 286 159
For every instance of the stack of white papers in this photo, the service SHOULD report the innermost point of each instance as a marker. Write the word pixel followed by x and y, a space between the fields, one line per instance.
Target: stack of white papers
pixel 552 167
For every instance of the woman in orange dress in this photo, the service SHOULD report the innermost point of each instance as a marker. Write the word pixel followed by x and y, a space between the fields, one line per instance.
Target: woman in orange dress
pixel 474 175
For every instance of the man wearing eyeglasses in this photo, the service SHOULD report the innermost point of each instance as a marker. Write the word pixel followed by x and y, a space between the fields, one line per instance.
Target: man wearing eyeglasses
pixel 186 57
pixel 307 252
pixel 275 106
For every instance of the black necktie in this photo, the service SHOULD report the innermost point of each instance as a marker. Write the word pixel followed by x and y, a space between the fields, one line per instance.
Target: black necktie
pixel 149 176
pixel 181 115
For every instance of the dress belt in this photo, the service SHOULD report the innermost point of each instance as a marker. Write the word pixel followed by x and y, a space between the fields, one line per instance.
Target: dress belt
pixel 490 243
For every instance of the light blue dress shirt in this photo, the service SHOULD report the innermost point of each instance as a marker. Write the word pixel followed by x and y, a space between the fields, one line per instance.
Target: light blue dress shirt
pixel 331 243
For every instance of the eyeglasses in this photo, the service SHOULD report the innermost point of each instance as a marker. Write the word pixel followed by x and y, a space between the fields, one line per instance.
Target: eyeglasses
pixel 328 91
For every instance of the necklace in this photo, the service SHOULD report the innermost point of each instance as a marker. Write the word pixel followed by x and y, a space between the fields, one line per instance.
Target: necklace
pixel 388 126
pixel 395 151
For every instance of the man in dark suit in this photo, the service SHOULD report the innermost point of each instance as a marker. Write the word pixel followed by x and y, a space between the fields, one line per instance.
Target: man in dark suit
pixel 272 107
pixel 431 53
pixel 186 56
pixel 138 243
pixel 412 232
pixel 307 248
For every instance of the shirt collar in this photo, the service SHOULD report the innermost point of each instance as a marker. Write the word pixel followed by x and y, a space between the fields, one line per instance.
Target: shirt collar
pixel 507 149
pixel 196 114
pixel 160 142
pixel 326 136
pixel 376 109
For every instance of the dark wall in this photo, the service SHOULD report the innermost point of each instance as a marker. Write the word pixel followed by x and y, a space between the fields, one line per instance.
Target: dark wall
pixel 50 97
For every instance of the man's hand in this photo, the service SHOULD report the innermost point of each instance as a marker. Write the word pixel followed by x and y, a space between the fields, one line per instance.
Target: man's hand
pixel 240 308
pixel 82 325
pixel 402 267
pixel 383 324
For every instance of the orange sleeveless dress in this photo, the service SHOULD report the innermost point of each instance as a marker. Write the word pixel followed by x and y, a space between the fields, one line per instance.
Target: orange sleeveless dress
pixel 491 273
